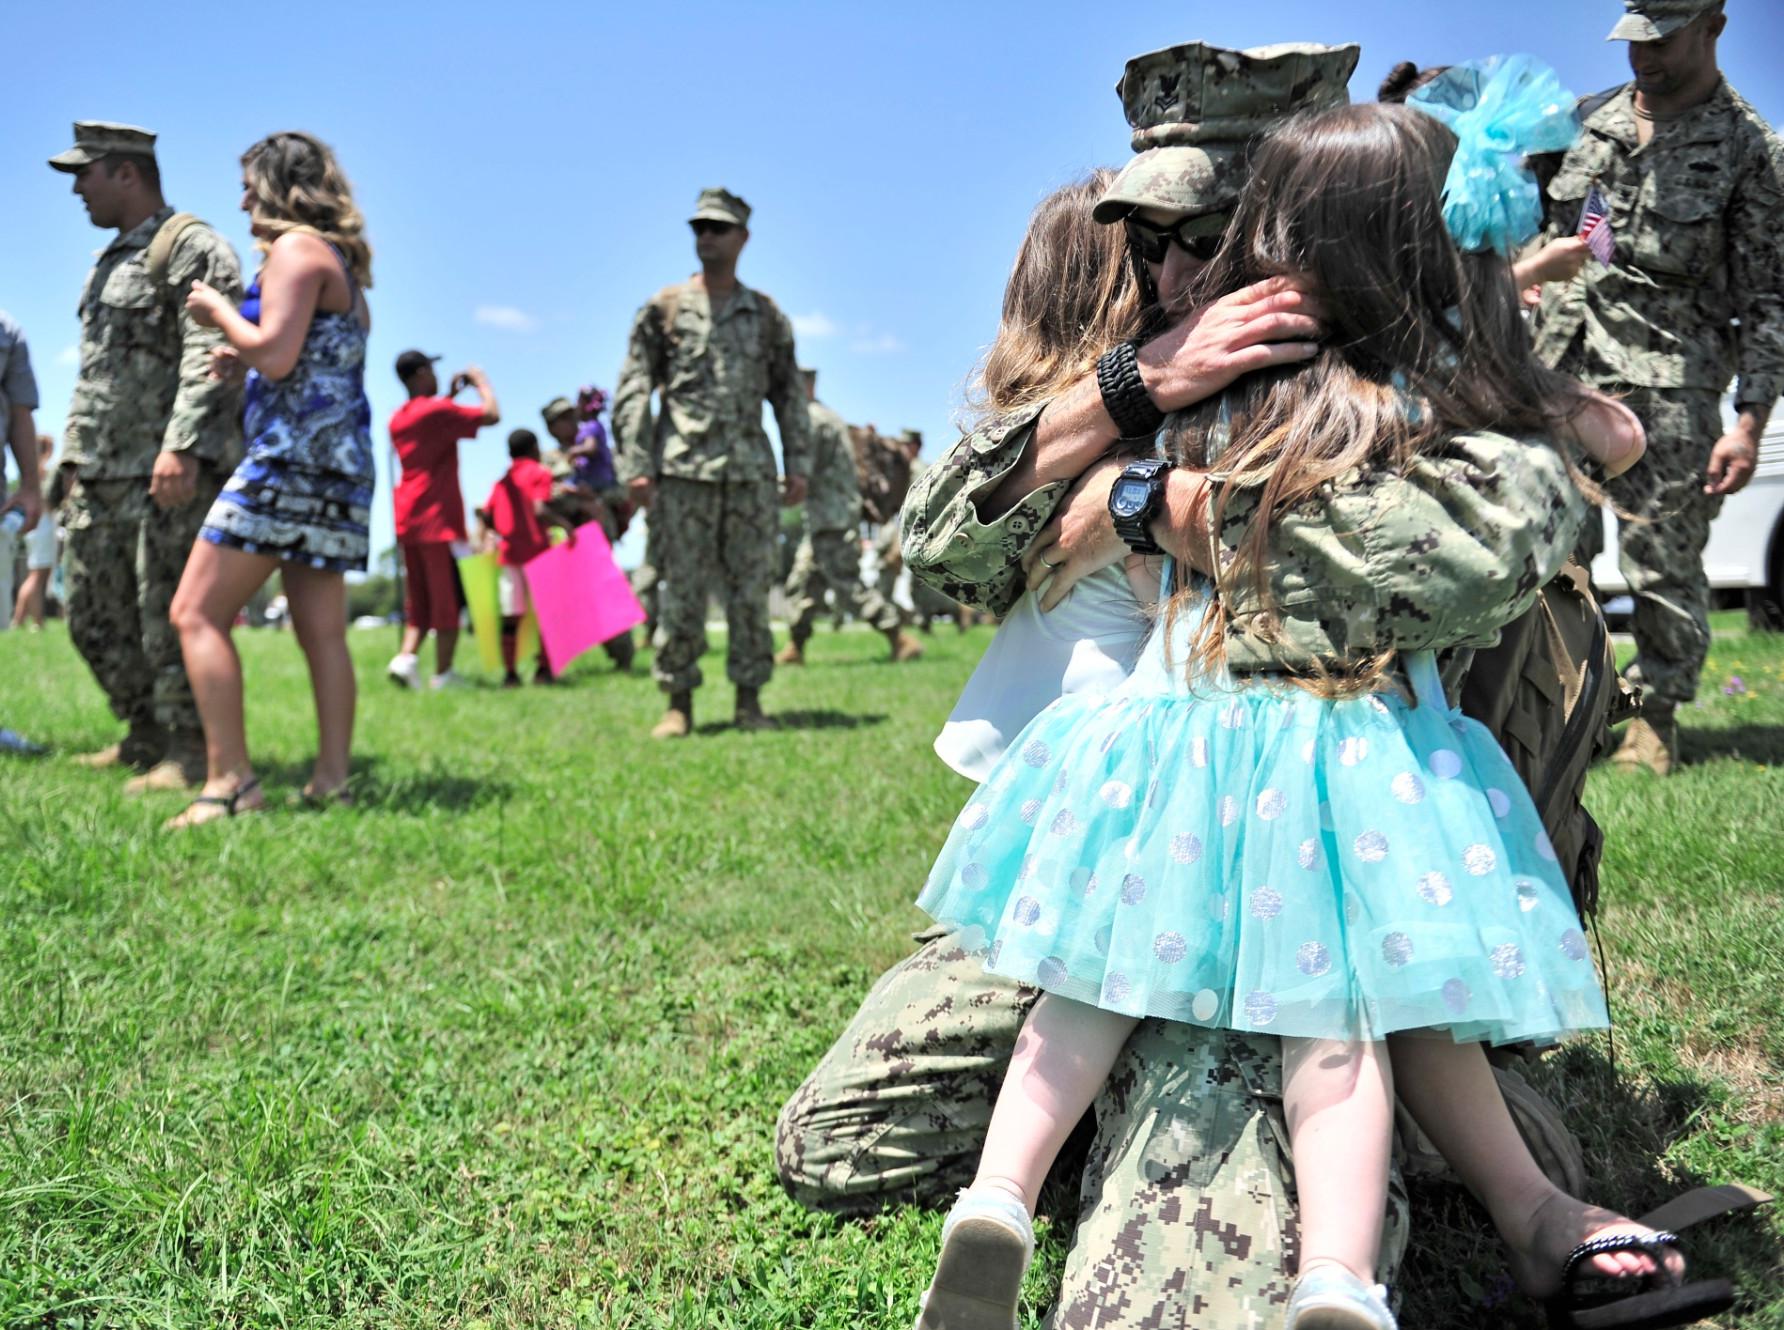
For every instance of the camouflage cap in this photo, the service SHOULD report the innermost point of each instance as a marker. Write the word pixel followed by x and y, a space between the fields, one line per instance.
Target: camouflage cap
pixel 721 205
pixel 557 406
pixel 1652 20
pixel 911 436
pixel 1195 107
pixel 95 140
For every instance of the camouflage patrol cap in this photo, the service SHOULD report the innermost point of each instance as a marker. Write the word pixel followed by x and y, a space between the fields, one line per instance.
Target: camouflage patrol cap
pixel 1195 107
pixel 721 205
pixel 911 436
pixel 557 406
pixel 1653 20
pixel 95 140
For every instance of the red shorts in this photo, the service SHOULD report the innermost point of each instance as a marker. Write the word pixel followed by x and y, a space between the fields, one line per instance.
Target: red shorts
pixel 430 586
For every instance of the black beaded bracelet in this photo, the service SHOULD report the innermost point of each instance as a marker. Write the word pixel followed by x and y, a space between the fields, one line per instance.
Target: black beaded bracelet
pixel 1125 397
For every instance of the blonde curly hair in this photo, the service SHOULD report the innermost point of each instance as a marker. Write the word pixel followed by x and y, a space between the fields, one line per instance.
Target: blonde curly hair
pixel 297 185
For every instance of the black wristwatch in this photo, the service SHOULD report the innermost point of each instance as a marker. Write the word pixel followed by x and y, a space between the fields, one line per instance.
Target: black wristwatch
pixel 1137 497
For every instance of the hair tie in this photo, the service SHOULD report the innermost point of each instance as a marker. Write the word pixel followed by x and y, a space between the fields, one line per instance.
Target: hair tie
pixel 1502 110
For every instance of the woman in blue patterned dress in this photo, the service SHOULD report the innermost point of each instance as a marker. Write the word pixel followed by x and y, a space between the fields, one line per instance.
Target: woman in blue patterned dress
pixel 300 501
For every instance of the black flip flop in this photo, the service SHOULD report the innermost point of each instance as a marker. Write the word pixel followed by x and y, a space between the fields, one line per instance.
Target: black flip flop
pixel 1591 1301
pixel 229 803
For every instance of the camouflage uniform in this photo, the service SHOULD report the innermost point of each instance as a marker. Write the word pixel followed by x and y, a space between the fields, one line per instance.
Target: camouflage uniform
pixel 717 497
pixel 829 555
pixel 1186 1212
pixel 144 388
pixel 1694 296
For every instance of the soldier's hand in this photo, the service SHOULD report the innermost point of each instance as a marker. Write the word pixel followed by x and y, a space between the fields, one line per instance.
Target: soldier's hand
pixel 226 365
pixel 792 491
pixel 1731 463
pixel 643 490
pixel 174 480
pixel 1080 541
pixel 1261 326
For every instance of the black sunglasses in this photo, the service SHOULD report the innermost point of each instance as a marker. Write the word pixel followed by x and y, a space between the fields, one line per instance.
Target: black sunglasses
pixel 706 227
pixel 1152 240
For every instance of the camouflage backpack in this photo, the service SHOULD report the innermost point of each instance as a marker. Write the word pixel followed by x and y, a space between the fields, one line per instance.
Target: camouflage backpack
pixel 1549 693
pixel 882 472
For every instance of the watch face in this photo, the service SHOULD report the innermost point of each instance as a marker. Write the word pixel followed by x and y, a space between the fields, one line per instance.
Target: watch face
pixel 1129 497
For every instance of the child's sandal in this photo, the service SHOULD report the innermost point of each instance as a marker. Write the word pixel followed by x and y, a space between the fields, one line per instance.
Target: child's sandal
pixel 1589 1300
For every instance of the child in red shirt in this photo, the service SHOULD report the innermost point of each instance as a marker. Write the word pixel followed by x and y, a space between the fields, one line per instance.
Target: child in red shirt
pixel 518 511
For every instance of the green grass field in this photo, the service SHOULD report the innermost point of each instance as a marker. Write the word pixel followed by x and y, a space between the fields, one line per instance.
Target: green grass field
pixel 503 1046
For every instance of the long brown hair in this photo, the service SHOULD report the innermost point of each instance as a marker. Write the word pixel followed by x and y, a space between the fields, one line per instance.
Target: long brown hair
pixel 1070 297
pixel 1423 341
pixel 299 186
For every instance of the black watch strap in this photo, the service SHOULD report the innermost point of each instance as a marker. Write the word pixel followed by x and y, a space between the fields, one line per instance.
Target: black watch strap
pixel 1125 397
pixel 1136 528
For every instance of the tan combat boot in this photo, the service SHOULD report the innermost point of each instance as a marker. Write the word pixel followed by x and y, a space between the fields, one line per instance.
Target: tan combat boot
pixel 1651 742
pixel 678 720
pixel 904 646
pixel 182 769
pixel 749 711
pixel 142 748
pixel 791 654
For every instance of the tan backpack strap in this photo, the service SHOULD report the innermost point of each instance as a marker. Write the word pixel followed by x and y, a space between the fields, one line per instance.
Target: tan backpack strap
pixel 167 235
pixel 1703 1203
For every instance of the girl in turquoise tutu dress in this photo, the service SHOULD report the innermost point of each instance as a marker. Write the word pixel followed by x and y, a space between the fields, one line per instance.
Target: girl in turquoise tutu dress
pixel 1337 857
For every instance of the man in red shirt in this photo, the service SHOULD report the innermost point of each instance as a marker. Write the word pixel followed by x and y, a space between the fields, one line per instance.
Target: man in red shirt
pixel 518 510
pixel 430 510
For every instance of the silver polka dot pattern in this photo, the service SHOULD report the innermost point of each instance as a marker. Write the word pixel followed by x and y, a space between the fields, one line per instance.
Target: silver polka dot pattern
pixel 1229 810
pixel 1507 960
pixel 1260 1008
pixel 1307 854
pixel 1396 949
pixel 1031 809
pixel 1198 752
pixel 1455 996
pixel 1408 788
pixel 1205 1006
pixel 1372 847
pixel 1170 947
pixel 1352 752
pixel 1573 945
pixel 1116 793
pixel 1313 959
pixel 1051 972
pixel 1528 895
pixel 974 876
pixel 1446 764
pixel 1064 823
pixel 1479 860
pixel 1499 801
pixel 1272 804
pixel 1265 903
pixel 1027 911
pixel 1117 988
pixel 1434 889
pixel 1133 889
pixel 1036 753
pixel 975 816
pixel 1083 880
pixel 1186 849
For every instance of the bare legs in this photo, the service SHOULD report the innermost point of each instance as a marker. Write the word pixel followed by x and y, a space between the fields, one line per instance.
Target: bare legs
pixel 29 604
pixel 215 586
pixel 1062 1058
pixel 1451 1093
pixel 319 614
pixel 1338 1098
pixel 445 645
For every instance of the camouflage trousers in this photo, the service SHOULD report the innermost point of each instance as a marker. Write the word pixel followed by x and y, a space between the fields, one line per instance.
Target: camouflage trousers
pixel 1661 553
pixel 832 560
pixel 123 563
pixel 717 537
pixel 646 580
pixel 1186 1207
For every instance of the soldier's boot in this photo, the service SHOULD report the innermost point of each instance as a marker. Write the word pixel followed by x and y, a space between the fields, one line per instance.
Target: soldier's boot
pixel 141 749
pixel 749 711
pixel 1650 742
pixel 904 646
pixel 791 654
pixel 678 720
pixel 182 769
pixel 622 651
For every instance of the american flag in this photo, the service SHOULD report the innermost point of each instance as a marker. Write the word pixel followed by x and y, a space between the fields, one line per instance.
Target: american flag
pixel 1595 226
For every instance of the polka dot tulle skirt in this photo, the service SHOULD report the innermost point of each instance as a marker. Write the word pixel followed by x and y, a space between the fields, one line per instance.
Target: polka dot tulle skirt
pixel 1262 859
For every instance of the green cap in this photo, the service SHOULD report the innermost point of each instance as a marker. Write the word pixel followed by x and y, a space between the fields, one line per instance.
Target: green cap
pixel 1652 20
pixel 721 205
pixel 98 139
pixel 1194 109
pixel 556 407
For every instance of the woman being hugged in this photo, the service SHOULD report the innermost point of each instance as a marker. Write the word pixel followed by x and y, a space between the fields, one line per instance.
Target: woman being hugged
pixel 300 501
pixel 1324 850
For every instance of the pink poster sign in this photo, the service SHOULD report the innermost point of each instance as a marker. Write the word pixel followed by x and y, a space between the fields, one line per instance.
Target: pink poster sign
pixel 582 597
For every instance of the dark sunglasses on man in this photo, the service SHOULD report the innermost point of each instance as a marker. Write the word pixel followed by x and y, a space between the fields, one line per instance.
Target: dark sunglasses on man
pixel 1191 235
pixel 706 227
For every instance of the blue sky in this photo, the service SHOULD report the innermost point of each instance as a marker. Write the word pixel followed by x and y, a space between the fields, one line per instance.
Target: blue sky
pixel 526 168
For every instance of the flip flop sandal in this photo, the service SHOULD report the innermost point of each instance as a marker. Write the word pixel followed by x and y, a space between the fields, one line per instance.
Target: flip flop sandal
pixel 229 803
pixel 1591 1301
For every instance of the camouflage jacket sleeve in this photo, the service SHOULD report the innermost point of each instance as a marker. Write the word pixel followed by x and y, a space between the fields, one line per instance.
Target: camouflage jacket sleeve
pixel 643 370
pixel 1442 555
pixel 786 394
pixel 1756 272
pixel 947 544
pixel 206 415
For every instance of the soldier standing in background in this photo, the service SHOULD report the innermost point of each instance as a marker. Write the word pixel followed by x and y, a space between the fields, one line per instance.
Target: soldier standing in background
pixel 1694 180
pixel 830 551
pixel 151 438
pixel 714 349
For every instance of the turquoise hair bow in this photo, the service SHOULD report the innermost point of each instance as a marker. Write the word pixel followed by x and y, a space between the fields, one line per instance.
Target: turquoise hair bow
pixel 1502 110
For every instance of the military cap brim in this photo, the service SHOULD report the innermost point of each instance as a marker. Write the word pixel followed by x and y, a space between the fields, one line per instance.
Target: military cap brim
pixel 556 407
pixel 95 140
pixel 1641 28
pixel 74 159
pixel 1199 180
pixel 710 214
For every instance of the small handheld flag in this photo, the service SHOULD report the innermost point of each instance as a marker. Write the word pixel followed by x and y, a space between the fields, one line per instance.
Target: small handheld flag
pixel 1595 226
